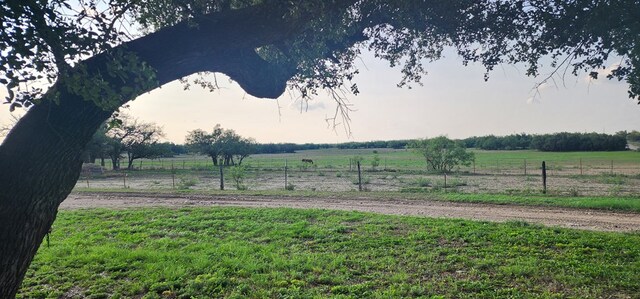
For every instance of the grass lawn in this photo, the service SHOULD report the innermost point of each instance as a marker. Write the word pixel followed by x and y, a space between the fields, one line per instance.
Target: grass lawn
pixel 286 253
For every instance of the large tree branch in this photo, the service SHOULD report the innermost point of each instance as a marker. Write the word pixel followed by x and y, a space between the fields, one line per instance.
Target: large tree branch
pixel 226 43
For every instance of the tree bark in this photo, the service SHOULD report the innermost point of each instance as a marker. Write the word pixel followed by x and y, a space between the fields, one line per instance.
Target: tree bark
pixel 131 158
pixel 40 160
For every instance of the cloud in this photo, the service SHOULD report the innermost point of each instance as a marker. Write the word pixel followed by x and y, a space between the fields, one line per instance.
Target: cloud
pixel 308 105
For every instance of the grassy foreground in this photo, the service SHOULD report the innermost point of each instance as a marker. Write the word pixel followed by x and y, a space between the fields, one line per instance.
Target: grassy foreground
pixel 286 253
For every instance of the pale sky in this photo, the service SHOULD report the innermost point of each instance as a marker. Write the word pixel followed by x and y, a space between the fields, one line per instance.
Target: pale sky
pixel 454 101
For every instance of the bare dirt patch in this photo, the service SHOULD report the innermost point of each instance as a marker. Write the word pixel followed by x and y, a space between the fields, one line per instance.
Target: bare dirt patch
pixel 549 216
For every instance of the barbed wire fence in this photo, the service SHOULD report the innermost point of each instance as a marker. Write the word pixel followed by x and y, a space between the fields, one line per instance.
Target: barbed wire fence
pixel 584 176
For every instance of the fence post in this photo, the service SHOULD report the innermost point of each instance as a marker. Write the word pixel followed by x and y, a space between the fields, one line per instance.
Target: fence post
pixel 445 181
pixel 173 176
pixel 88 177
pixel 182 164
pixel 612 167
pixel 140 165
pixel 544 178
pixel 221 175
pixel 124 180
pixel 359 178
pixel 349 164
pixel 285 174
pixel 580 166
pixel 474 166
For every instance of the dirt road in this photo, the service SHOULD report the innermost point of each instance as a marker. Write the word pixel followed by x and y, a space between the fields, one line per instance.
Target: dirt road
pixel 562 217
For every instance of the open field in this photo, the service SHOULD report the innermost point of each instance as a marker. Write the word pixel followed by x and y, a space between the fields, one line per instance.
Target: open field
pixel 487 162
pixel 496 172
pixel 240 253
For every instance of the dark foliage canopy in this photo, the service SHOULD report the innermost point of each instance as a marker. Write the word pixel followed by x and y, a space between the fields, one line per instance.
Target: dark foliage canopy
pixel 309 45
pixel 556 142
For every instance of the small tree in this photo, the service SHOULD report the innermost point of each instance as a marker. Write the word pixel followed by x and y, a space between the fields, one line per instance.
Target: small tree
pixel 442 153
pixel 221 143
pixel 206 143
pixel 133 137
pixel 238 174
pixel 375 162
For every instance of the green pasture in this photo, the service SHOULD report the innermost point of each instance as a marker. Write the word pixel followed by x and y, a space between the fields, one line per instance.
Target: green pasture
pixel 286 253
pixel 406 160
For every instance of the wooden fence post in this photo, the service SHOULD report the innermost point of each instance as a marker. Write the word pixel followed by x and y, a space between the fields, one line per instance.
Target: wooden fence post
pixel 285 174
pixel 525 167
pixel 445 181
pixel 612 167
pixel 359 178
pixel 173 176
pixel 544 178
pixel 580 166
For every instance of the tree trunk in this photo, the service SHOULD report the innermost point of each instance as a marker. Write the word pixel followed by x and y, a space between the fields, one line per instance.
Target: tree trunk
pixel 131 158
pixel 40 159
pixel 115 163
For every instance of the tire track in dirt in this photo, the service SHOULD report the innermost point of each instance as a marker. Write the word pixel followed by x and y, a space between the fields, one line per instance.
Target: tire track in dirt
pixel 550 216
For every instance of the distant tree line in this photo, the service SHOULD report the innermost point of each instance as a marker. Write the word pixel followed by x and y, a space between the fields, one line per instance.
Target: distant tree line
pixel 633 136
pixel 557 142
pixel 395 144
pixel 278 148
pixel 282 148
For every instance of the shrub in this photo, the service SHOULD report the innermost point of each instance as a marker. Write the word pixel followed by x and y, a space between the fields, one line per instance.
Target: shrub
pixel 442 154
pixel 238 174
pixel 186 182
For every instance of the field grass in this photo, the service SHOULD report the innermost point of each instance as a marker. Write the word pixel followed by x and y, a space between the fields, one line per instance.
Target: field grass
pixel 486 161
pixel 285 253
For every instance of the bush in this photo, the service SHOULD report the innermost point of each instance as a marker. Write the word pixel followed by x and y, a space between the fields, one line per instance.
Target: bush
pixel 186 182
pixel 238 174
pixel 375 162
pixel 442 154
